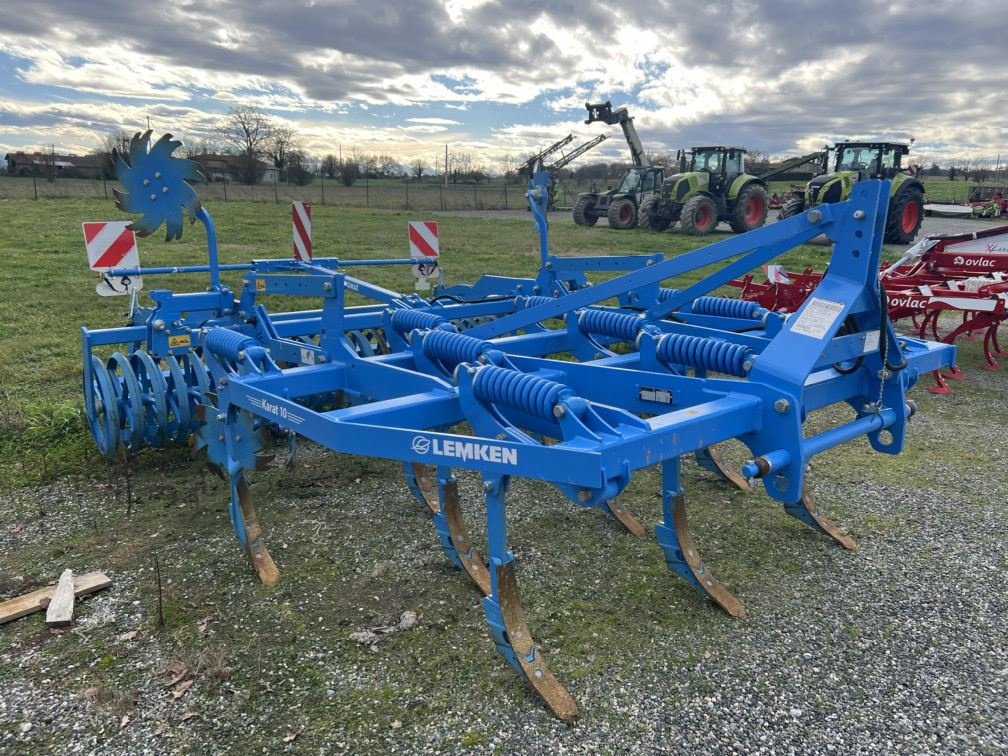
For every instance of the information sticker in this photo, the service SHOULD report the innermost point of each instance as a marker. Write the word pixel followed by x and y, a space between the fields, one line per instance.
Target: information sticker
pixel 817 318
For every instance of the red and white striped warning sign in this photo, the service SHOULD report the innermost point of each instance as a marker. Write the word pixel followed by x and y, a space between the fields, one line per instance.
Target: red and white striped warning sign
pixel 423 239
pixel 302 231
pixel 111 245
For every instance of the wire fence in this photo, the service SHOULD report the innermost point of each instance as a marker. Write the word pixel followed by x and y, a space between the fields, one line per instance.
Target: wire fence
pixel 386 194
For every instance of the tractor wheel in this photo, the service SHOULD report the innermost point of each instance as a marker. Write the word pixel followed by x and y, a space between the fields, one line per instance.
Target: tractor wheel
pixel 650 218
pixel 583 207
pixel 699 216
pixel 906 211
pixel 792 207
pixel 750 209
pixel 622 214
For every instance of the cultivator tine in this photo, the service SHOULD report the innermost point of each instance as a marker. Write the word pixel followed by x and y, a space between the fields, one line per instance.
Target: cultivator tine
pixel 684 559
pixel 260 557
pixel 527 653
pixel 263 461
pixel 709 458
pixel 626 519
pixel 425 478
pixel 808 512
pixel 473 564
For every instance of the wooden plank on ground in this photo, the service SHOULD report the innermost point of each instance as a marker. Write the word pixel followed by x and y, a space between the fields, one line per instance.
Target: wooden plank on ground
pixel 60 610
pixel 38 600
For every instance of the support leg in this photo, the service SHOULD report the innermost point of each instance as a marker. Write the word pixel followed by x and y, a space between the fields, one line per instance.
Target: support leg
pixel 681 555
pixel 506 617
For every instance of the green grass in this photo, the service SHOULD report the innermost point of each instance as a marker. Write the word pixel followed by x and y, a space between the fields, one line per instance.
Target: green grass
pixel 355 550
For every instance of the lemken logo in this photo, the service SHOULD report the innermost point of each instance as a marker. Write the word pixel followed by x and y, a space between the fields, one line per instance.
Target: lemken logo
pixel 465 450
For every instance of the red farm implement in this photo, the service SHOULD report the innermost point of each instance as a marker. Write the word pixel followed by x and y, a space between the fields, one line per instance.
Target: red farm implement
pixel 962 274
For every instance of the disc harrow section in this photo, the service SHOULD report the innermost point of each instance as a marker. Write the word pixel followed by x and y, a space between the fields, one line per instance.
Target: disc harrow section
pixel 540 378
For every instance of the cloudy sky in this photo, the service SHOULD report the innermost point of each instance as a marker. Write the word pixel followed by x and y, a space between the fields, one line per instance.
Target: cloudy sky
pixel 407 76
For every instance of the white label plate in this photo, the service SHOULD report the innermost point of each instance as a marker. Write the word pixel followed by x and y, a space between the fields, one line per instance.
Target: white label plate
pixel 817 318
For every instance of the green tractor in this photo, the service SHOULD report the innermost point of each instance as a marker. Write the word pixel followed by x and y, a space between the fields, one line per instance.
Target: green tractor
pixel 713 188
pixel 619 205
pixel 859 161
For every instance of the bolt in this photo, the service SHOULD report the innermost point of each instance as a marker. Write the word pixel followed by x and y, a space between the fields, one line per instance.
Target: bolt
pixel 159 325
pixel 814 216
pixel 153 198
pixel 237 439
pixel 221 417
pixel 782 406
pixel 157 174
pixel 859 214
pixel 327 286
pixel 868 408
pixel 482 359
pixel 320 359
pixel 221 438
pixel 224 381
pixel 488 486
pixel 241 355
pixel 146 182
pixel 502 437
pixel 747 365
pixel 559 410
pixel 584 495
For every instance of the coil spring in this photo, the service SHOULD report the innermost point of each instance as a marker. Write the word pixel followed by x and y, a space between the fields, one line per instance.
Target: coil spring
pixel 227 343
pixel 699 352
pixel 404 321
pixel 725 307
pixel 618 325
pixel 453 348
pixel 665 294
pixel 535 301
pixel 528 393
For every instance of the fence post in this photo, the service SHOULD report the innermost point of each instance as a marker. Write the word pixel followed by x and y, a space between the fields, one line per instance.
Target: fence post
pixel 276 196
pixel 505 196
pixel 34 185
pixel 407 194
pixel 440 195
pixel 474 197
pixel 225 189
pixel 367 192
pixel 322 177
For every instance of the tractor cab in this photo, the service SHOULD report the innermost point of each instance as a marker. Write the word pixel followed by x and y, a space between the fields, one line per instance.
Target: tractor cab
pixel 871 160
pixel 723 164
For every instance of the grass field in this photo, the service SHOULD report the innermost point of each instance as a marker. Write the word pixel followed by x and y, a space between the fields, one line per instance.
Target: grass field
pixel 275 668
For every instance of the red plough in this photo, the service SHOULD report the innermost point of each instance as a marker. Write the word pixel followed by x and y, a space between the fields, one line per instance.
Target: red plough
pixel 965 273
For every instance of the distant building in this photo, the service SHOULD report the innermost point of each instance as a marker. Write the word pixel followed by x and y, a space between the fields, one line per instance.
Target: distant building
pixel 217 167
pixel 65 166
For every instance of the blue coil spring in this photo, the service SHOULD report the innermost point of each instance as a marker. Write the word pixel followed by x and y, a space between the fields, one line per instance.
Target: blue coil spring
pixel 453 348
pixel 528 393
pixel 725 307
pixel 404 321
pixel 699 352
pixel 535 301
pixel 665 294
pixel 227 343
pixel 618 325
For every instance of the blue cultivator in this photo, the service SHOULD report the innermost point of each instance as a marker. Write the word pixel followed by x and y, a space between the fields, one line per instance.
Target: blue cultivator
pixel 664 374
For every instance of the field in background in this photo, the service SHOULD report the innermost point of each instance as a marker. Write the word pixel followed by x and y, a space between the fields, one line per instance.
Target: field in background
pixel 388 194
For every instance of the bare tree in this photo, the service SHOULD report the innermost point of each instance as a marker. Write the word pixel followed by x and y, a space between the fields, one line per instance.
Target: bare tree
pixel 281 144
pixel 299 168
pixel 388 166
pixel 330 166
pixel 248 130
pixel 417 167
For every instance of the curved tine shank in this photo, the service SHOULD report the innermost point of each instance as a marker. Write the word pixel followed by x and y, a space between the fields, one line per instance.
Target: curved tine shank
pixel 703 578
pixel 625 518
pixel 426 477
pixel 260 557
pixel 710 459
pixel 529 655
pixel 471 561
pixel 808 512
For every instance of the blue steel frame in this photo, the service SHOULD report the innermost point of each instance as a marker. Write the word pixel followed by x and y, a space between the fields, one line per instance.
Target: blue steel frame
pixel 480 354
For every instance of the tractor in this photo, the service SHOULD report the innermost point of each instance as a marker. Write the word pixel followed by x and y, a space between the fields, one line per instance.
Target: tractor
pixel 714 187
pixel 859 161
pixel 639 183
